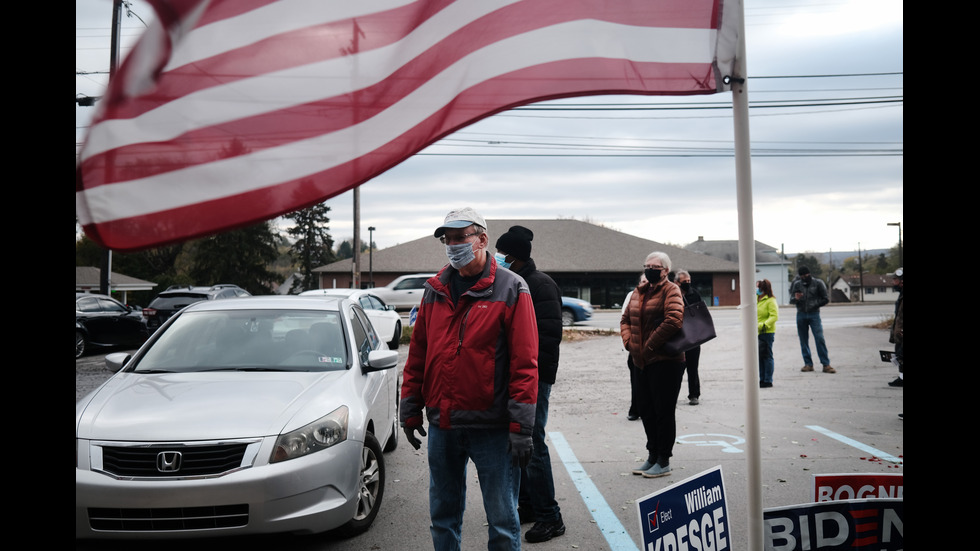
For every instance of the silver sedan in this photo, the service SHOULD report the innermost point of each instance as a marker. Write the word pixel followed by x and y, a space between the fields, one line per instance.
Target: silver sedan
pixel 253 415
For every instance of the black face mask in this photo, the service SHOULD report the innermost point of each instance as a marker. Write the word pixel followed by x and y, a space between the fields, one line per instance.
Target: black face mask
pixel 652 275
pixel 686 287
pixel 806 279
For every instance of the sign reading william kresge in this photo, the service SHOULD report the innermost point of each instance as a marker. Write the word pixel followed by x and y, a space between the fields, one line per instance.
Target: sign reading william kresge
pixel 691 514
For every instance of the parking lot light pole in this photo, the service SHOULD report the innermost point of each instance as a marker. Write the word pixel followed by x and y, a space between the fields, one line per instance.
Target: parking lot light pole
pixel 371 254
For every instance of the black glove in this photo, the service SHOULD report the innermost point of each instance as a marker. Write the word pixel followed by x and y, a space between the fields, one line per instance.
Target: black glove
pixel 520 449
pixel 410 436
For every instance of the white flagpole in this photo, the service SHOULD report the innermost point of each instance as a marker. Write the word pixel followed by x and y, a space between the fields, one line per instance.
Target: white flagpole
pixel 746 272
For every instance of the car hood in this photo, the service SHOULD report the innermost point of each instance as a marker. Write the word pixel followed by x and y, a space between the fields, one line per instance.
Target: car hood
pixel 206 406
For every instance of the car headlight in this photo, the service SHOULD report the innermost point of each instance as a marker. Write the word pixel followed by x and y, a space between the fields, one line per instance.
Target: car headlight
pixel 327 431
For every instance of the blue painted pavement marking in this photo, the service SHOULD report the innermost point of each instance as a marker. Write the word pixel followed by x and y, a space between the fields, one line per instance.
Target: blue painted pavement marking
pixel 863 447
pixel 606 520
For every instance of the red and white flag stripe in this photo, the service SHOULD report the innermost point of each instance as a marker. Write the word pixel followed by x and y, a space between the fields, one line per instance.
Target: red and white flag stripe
pixel 234 111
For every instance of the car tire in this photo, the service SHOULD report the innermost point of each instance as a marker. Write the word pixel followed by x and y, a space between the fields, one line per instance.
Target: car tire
pixel 370 490
pixel 396 338
pixel 567 317
pixel 80 344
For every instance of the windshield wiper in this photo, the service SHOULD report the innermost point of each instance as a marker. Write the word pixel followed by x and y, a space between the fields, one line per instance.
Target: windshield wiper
pixel 244 368
pixel 154 371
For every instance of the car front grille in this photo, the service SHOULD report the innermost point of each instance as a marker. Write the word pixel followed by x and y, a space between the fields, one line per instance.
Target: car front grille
pixel 172 461
pixel 168 519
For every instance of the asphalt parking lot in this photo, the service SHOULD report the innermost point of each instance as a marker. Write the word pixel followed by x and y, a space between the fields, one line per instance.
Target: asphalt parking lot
pixel 811 423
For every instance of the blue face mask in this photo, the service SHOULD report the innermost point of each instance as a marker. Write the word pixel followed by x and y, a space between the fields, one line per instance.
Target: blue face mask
pixel 758 291
pixel 501 260
pixel 460 255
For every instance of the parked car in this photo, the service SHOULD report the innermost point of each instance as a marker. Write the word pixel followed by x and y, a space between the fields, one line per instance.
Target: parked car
pixel 404 292
pixel 101 320
pixel 258 415
pixel 175 297
pixel 385 319
pixel 574 310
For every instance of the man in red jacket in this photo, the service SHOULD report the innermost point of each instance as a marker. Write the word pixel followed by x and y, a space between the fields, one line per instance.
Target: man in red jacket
pixel 472 367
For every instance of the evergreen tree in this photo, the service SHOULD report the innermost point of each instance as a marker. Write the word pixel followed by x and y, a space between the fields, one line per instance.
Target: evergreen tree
pixel 345 250
pixel 313 246
pixel 241 257
pixel 810 262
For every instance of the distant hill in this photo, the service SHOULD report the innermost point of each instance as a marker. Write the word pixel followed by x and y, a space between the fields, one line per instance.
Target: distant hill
pixel 839 256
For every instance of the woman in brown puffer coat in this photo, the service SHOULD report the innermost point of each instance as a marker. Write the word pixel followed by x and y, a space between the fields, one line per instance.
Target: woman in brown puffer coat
pixel 654 313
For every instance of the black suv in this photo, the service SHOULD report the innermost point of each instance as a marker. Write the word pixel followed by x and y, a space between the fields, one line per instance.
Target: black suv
pixel 174 298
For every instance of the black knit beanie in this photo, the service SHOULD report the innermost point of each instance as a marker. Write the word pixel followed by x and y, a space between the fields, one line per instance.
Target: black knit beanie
pixel 516 242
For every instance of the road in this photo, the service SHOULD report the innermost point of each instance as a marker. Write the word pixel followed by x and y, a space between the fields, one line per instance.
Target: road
pixel 811 423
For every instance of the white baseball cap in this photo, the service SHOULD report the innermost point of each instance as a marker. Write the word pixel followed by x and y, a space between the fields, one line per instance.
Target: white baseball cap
pixel 460 218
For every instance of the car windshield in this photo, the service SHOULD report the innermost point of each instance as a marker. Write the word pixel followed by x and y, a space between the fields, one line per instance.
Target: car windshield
pixel 249 340
pixel 176 301
pixel 413 283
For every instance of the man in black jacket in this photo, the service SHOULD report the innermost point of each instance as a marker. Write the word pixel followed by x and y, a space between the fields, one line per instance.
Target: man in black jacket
pixel 809 295
pixel 537 494
pixel 897 334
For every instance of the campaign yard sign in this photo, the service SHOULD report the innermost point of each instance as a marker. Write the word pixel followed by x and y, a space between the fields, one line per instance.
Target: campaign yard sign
pixel 691 514
pixel 859 524
pixel 836 487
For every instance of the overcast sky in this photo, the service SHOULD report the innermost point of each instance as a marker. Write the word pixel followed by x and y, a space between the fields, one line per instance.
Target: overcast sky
pixel 826 124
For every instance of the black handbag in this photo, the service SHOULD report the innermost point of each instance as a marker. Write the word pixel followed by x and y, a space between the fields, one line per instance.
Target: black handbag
pixel 696 330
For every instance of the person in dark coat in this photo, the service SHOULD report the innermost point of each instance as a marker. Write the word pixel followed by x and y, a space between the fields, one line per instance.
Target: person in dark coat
pixel 537 496
pixel 692 357
pixel 809 295
pixel 897 334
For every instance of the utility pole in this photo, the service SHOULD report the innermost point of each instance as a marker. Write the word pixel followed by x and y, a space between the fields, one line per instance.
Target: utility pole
pixel 355 47
pixel 860 273
pixel 355 281
pixel 105 268
pixel 899 224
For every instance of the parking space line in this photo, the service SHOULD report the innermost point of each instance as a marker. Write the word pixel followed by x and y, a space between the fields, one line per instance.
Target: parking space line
pixel 606 520
pixel 850 442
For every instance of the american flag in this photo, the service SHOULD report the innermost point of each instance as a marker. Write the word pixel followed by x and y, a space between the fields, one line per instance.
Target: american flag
pixel 229 112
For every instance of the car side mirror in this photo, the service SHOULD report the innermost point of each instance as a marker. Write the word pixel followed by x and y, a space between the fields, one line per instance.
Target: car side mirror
pixel 379 360
pixel 117 360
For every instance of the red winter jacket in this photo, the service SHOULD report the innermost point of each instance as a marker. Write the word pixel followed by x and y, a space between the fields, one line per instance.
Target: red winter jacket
pixel 473 364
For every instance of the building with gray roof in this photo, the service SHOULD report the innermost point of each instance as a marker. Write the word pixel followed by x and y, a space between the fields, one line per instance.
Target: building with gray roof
pixel 588 261
pixel 769 262
pixel 87 280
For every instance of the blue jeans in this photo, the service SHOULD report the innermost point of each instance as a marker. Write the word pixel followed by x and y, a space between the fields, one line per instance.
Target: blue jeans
pixel 767 365
pixel 811 321
pixel 449 452
pixel 537 483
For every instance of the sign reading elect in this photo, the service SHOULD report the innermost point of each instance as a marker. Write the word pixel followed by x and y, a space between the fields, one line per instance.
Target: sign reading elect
pixel 691 514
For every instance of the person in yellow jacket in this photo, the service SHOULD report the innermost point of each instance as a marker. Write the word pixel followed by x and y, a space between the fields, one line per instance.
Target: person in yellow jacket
pixel 768 313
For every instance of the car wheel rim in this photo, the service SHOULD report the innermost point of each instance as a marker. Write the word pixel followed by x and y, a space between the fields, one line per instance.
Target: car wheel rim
pixel 567 318
pixel 79 344
pixel 370 481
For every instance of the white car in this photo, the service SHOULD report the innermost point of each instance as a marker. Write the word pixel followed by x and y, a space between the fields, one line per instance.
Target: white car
pixel 385 319
pixel 405 292
pixel 255 415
